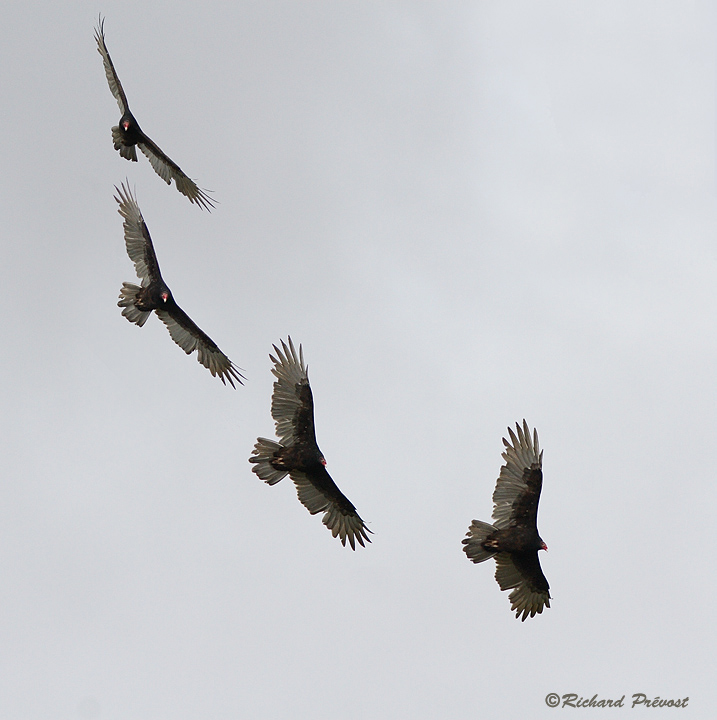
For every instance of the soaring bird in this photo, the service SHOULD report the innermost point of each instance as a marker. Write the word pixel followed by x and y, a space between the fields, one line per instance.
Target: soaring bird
pixel 298 455
pixel 128 134
pixel 513 538
pixel 138 302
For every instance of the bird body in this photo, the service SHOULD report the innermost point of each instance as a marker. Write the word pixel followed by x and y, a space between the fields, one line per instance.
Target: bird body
pixel 298 455
pixel 126 135
pixel 301 457
pixel 513 538
pixel 516 539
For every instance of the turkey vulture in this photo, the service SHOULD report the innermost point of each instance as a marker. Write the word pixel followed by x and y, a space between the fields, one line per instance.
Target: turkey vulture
pixel 138 302
pixel 128 134
pixel 292 407
pixel 513 538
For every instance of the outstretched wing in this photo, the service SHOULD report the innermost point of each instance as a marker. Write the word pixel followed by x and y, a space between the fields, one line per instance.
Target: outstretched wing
pixel 189 337
pixel 136 237
pixel 517 490
pixel 522 571
pixel 292 403
pixel 319 493
pixel 168 170
pixel 112 80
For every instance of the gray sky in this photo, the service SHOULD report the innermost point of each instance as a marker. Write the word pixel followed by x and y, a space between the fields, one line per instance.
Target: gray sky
pixel 468 213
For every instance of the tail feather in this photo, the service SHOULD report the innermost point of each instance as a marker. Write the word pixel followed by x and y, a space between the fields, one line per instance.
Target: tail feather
pixel 128 298
pixel 128 152
pixel 262 455
pixel 478 532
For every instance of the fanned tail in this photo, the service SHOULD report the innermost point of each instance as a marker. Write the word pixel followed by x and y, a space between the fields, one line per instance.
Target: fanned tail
pixel 128 152
pixel 472 543
pixel 128 300
pixel 262 455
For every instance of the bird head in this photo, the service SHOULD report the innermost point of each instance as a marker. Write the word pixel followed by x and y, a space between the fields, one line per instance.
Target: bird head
pixel 543 546
pixel 165 297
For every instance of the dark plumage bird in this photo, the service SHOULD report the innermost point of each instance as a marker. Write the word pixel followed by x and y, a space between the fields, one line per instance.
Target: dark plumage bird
pixel 513 538
pixel 128 134
pixel 138 302
pixel 298 455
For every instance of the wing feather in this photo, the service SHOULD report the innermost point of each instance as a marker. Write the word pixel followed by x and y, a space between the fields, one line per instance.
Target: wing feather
pixel 292 403
pixel 112 80
pixel 523 574
pixel 340 515
pixel 189 337
pixel 168 170
pixel 136 237
pixel 520 479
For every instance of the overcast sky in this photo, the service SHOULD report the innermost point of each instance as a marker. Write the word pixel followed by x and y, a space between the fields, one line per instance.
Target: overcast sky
pixel 469 213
